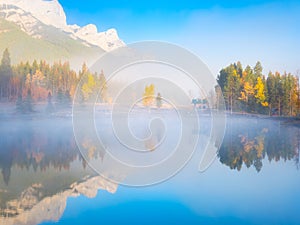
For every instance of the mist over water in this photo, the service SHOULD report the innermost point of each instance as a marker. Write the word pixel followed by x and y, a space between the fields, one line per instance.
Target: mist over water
pixel 39 159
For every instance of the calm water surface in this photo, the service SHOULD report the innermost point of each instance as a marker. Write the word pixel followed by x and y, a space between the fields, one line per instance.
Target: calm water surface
pixel 254 180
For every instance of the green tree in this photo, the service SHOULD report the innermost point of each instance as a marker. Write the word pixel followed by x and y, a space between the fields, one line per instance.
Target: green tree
pixel 290 94
pixel 158 100
pixel 28 103
pixel 49 108
pixel 258 70
pixel 239 68
pixel 232 88
pixel 278 92
pixel 220 103
pixel 5 74
pixel 103 87
pixel 67 99
pixel 19 104
pixel 60 98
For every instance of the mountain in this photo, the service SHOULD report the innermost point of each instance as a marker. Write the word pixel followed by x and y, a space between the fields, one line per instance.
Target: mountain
pixel 52 46
pixel 37 29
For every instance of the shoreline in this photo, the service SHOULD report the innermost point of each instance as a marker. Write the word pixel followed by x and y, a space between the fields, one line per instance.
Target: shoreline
pixel 8 112
pixel 284 120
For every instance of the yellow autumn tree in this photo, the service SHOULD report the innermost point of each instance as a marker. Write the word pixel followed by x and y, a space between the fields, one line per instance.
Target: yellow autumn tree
pixel 248 90
pixel 260 92
pixel 148 96
pixel 88 87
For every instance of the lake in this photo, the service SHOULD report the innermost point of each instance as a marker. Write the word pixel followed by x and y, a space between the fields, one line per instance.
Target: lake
pixel 254 179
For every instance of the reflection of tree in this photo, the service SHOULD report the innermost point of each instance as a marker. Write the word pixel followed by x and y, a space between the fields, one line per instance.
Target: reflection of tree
pixel 91 150
pixel 150 144
pixel 37 146
pixel 249 141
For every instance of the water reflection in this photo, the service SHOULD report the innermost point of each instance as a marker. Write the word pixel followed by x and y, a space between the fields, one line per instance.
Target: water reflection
pixel 29 145
pixel 41 167
pixel 249 141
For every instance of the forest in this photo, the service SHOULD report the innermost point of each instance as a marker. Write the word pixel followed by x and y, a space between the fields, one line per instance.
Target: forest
pixel 248 90
pixel 29 83
pixel 245 90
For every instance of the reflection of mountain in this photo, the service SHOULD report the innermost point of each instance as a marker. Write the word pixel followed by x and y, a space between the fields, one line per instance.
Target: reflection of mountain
pixel 33 207
pixel 249 141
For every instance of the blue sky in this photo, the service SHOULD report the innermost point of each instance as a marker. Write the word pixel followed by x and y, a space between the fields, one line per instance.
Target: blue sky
pixel 219 32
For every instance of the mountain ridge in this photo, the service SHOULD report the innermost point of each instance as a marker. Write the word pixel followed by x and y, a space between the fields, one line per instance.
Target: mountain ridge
pixel 23 47
pixel 25 13
pixel 30 38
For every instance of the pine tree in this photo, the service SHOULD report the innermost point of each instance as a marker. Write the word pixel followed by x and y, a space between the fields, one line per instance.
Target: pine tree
pixel 67 99
pixel 28 103
pixel 103 87
pixel 258 70
pixel 5 74
pixel 232 88
pixel 49 108
pixel 158 100
pixel 272 98
pixel 19 104
pixel 59 98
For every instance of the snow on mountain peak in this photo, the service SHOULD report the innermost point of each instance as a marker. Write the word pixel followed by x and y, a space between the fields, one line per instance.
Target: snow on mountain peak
pixel 50 12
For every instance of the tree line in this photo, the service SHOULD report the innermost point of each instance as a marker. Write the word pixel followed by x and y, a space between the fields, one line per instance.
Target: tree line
pixel 56 84
pixel 248 90
pixel 244 89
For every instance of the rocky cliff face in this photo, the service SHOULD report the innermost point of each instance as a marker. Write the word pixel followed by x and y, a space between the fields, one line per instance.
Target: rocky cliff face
pixel 48 12
pixel 31 15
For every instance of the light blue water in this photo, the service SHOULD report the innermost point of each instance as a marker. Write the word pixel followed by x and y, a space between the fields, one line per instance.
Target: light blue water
pixel 265 193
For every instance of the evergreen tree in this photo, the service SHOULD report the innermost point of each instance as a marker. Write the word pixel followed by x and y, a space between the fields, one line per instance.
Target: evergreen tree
pixel 28 103
pixel 103 87
pixel 222 78
pixel 60 98
pixel 272 98
pixel 258 70
pixel 67 99
pixel 158 100
pixel 278 92
pixel 220 102
pixel 232 88
pixel 239 68
pixel 5 74
pixel 49 108
pixel 19 104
